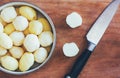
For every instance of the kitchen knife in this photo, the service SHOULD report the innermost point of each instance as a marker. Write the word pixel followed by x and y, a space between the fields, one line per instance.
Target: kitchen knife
pixel 93 37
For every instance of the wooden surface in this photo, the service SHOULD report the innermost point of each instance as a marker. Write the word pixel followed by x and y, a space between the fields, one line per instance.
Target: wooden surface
pixel 103 63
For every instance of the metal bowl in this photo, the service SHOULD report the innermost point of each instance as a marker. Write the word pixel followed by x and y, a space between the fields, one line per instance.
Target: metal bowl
pixel 40 13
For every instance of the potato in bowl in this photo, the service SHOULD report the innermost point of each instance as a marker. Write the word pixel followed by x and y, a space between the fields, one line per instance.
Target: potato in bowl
pixel 26 34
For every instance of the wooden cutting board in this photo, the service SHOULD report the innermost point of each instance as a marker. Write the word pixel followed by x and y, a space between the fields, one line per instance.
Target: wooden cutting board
pixel 105 60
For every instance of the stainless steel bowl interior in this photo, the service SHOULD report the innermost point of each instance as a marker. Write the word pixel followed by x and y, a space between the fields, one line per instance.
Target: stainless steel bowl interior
pixel 40 13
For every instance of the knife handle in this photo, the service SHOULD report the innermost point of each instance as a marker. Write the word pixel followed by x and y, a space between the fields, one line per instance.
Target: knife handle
pixel 79 64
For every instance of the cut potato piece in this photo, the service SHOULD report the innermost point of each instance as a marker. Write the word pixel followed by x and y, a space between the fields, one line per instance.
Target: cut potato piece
pixel 8 14
pixel 40 55
pixel 35 27
pixel 17 38
pixel 16 52
pixel 45 23
pixel 26 61
pixel 28 12
pixel 5 41
pixel 9 28
pixel 3 51
pixel 46 38
pixel 20 23
pixel 70 49
pixel 9 62
pixel 31 43
pixel 74 20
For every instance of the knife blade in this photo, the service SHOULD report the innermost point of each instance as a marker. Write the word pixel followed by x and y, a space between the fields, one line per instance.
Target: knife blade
pixel 93 37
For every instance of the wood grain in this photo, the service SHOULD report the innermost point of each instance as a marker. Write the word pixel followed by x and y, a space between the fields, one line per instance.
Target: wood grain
pixel 105 60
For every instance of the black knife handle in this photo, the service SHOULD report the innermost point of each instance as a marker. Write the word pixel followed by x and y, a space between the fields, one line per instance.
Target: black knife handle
pixel 79 64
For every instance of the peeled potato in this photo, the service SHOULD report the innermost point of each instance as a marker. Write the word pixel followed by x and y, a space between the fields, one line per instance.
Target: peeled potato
pixel 5 41
pixel 74 20
pixel 31 43
pixel 46 38
pixel 26 61
pixel 9 62
pixel 45 23
pixel 2 21
pixel 3 51
pixel 28 12
pixel 16 52
pixel 20 23
pixel 1 28
pixel 17 38
pixel 35 27
pixel 8 14
pixel 70 49
pixel 40 55
pixel 9 28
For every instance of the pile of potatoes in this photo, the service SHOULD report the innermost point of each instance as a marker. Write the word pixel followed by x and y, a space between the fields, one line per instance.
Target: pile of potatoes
pixel 25 38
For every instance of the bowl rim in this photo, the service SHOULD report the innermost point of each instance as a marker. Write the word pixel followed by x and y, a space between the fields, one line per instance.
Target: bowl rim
pixel 18 3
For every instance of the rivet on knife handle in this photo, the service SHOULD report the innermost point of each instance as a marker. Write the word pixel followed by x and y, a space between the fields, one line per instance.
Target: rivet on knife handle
pixel 93 37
